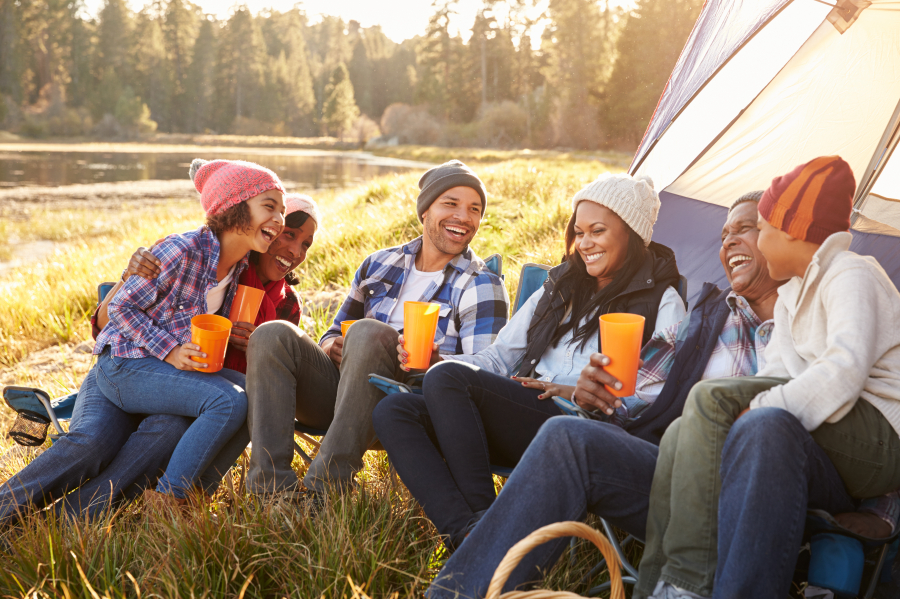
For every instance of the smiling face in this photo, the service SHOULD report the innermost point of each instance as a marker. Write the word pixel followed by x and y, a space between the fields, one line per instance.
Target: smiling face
pixel 775 245
pixel 452 220
pixel 601 239
pixel 744 263
pixel 287 252
pixel 266 219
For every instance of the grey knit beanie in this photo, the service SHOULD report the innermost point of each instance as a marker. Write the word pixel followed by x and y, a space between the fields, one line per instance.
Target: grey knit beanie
pixel 439 179
pixel 632 198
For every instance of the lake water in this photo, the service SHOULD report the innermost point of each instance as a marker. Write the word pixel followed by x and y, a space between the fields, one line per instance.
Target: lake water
pixel 313 170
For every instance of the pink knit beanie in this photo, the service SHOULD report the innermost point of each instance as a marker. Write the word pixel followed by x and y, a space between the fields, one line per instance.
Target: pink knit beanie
pixel 226 183
pixel 298 202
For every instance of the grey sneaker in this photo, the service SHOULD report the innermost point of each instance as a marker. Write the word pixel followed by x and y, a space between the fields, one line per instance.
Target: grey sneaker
pixel 665 590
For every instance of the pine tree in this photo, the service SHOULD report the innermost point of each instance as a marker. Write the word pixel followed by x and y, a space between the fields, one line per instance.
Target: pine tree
pixel 657 28
pixel 180 29
pixel 339 110
pixel 240 68
pixel 11 51
pixel 199 83
pixel 580 47
pixel 151 70
pixel 113 49
pixel 289 66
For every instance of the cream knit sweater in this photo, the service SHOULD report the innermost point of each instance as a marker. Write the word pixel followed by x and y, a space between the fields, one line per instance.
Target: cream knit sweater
pixel 837 336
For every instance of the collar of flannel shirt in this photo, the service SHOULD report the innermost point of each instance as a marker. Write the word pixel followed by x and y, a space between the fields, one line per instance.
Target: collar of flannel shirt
pixel 461 262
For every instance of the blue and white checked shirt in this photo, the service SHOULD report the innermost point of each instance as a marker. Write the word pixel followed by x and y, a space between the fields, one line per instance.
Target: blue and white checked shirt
pixel 474 301
pixel 151 318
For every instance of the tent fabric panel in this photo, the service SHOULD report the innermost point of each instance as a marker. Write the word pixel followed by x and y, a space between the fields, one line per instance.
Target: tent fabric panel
pixel 799 116
pixel 883 248
pixel 731 90
pixel 722 27
pixel 888 183
pixel 864 224
pixel 693 230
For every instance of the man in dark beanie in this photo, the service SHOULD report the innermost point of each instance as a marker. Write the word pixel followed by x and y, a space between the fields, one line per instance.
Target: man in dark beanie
pixel 325 385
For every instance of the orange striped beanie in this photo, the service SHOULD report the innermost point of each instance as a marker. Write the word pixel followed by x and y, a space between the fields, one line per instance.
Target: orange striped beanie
pixel 812 201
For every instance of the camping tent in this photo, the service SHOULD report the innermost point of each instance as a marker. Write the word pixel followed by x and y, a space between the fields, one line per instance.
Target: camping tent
pixel 760 87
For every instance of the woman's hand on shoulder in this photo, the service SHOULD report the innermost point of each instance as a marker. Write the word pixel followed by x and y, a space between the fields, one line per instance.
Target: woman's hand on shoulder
pixel 143 264
pixel 549 389
pixel 180 357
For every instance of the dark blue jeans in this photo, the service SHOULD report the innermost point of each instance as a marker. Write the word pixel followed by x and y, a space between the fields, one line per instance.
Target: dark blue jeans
pixel 772 470
pixel 443 443
pixel 572 467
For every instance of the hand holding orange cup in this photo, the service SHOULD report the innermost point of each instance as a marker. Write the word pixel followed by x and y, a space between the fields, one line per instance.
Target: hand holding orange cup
pixel 345 324
pixel 246 304
pixel 211 333
pixel 419 325
pixel 620 340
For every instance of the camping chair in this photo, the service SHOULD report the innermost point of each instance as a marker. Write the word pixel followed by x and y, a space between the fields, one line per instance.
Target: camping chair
pixel 413 383
pixel 35 410
pixel 839 558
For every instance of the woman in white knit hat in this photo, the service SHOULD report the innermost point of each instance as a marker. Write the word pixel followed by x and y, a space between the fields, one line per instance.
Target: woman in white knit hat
pixel 485 408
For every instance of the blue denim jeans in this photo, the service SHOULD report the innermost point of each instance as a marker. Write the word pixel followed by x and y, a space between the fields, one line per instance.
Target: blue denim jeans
pixel 572 467
pixel 121 454
pixel 772 470
pixel 152 386
pixel 443 443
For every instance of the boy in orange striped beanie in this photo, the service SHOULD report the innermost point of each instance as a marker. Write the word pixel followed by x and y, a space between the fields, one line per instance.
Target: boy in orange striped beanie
pixel 816 427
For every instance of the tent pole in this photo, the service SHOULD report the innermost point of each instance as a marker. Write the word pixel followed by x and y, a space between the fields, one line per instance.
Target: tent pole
pixel 879 160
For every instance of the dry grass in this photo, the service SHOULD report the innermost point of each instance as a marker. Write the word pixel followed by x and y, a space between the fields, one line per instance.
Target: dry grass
pixel 375 542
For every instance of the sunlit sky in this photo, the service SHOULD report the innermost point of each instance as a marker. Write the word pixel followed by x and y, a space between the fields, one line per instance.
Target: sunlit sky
pixel 399 19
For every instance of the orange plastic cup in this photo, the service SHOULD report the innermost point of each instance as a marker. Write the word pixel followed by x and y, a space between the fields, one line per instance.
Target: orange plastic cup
pixel 211 333
pixel 620 340
pixel 419 324
pixel 345 324
pixel 246 304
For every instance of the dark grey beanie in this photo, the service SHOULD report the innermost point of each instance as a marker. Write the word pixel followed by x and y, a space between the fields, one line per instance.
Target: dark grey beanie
pixel 447 176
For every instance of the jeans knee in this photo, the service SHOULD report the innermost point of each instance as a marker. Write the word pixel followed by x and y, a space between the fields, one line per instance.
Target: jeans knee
pixel 268 335
pixel 232 403
pixel 764 433
pixel 394 408
pixel 448 375
pixel 373 332
pixel 167 427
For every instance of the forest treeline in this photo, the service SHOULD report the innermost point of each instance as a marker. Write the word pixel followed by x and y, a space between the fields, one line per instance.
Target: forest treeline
pixel 590 80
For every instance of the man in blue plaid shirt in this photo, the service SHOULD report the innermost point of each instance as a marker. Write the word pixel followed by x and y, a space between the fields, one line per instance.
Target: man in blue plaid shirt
pixel 325 385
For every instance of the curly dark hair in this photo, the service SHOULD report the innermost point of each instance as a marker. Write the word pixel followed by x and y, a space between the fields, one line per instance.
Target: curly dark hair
pixel 235 218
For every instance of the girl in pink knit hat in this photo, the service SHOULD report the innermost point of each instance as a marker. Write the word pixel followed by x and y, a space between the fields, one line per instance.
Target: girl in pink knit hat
pixel 147 364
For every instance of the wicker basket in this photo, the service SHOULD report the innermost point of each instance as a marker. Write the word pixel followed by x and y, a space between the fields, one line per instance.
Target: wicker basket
pixel 541 536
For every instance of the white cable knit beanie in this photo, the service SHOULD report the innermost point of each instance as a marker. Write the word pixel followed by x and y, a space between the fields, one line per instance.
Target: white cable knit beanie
pixel 632 198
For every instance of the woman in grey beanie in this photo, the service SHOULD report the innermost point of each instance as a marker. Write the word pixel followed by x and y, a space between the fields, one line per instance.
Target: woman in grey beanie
pixel 477 414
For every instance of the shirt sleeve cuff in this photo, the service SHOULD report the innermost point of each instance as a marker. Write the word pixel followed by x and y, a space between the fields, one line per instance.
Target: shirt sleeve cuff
pixel 163 346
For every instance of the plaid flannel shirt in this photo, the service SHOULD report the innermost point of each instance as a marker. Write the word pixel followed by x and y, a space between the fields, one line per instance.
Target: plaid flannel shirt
pixel 151 318
pixel 738 352
pixel 474 301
